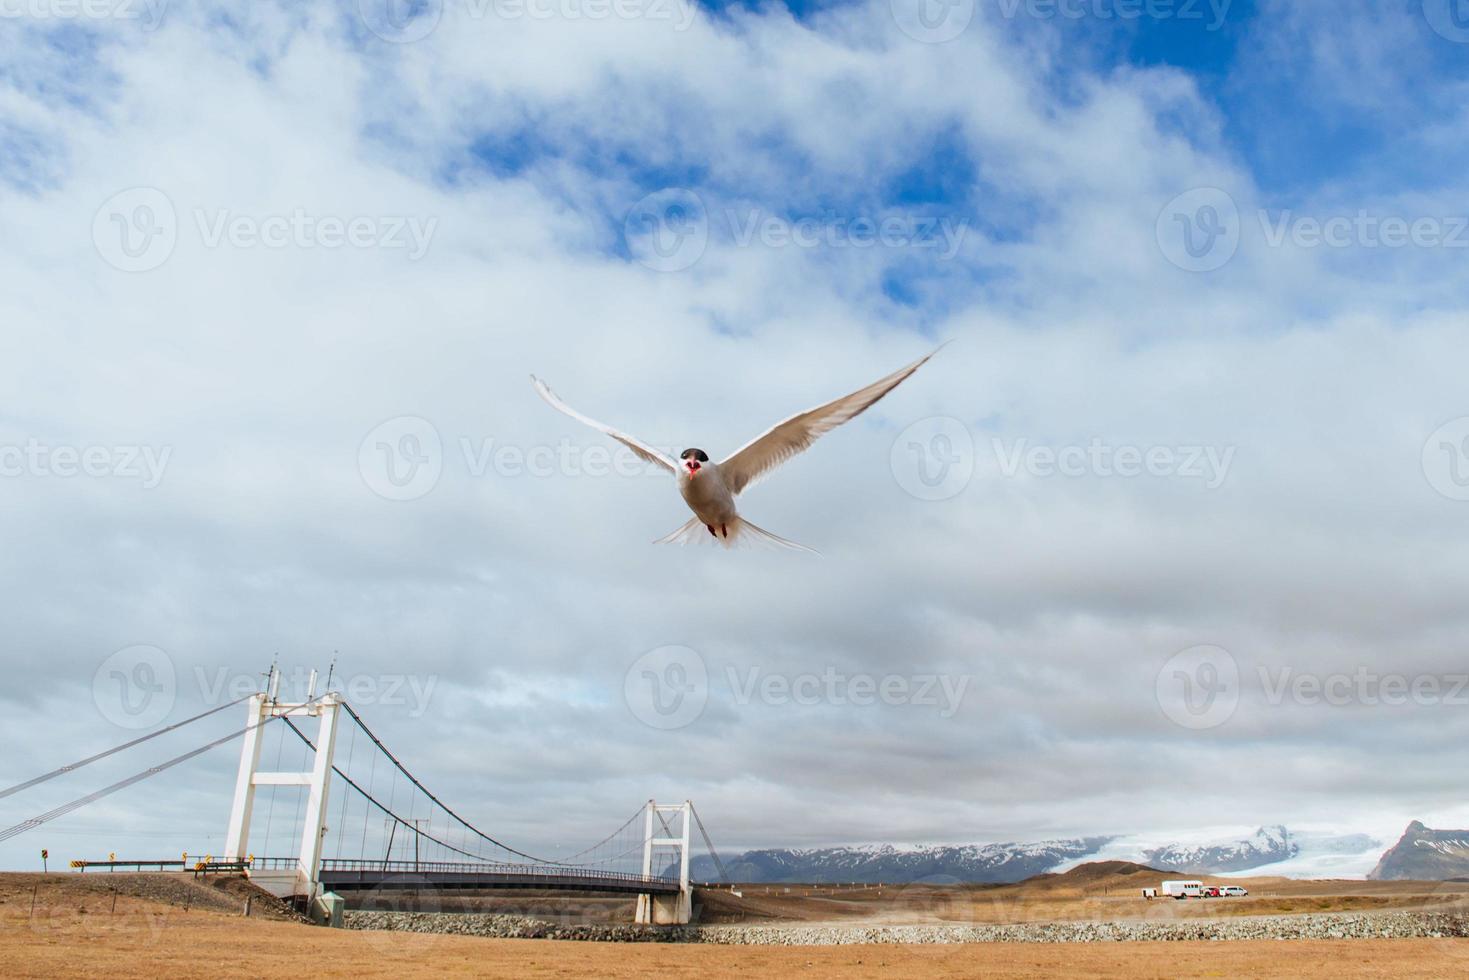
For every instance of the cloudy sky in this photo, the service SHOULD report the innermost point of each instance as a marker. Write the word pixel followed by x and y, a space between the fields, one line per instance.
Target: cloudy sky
pixel 1174 526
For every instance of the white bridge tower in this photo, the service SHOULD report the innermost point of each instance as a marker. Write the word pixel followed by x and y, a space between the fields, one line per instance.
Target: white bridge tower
pixel 261 709
pixel 667 909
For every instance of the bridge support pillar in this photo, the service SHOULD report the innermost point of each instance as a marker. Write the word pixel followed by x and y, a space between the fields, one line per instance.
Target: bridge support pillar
pixel 261 709
pixel 667 910
pixel 664 910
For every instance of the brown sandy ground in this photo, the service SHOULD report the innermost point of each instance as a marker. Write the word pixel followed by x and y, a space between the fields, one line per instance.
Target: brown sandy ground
pixel 75 931
pixel 1102 891
pixel 210 944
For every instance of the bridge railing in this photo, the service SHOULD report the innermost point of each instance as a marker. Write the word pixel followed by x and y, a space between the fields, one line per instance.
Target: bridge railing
pixel 275 864
pixel 488 867
pixel 134 865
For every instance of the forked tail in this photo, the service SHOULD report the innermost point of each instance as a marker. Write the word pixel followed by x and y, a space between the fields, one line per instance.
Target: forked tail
pixel 741 533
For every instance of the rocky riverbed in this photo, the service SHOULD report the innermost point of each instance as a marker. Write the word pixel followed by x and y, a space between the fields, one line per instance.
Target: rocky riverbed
pixel 1377 925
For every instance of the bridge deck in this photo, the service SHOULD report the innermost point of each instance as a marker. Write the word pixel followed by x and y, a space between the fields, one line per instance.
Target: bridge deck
pixel 338 876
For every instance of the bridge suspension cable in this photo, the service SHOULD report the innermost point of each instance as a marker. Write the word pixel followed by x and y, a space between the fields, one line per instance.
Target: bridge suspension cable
pixel 709 844
pixel 18 787
pixel 82 801
pixel 386 808
pixel 408 824
pixel 414 780
pixel 623 843
pixel 588 850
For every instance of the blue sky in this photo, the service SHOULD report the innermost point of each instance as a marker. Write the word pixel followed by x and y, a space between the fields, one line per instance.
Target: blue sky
pixel 1293 126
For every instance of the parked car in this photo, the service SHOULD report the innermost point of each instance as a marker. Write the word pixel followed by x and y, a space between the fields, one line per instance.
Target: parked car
pixel 1233 891
pixel 1209 891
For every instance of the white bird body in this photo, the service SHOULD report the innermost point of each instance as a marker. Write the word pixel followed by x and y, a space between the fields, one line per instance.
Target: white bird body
pixel 707 495
pixel 709 489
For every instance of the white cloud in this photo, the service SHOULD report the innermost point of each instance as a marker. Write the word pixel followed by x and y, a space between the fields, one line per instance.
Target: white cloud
pixel 264 368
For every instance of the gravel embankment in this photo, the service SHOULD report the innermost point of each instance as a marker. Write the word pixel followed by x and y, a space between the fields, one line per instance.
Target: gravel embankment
pixel 216 893
pixel 1376 925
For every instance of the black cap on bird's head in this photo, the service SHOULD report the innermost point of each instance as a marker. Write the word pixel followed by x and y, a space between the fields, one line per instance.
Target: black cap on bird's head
pixel 693 459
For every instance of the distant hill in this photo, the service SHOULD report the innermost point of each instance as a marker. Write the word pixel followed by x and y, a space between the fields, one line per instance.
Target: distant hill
pixel 1096 870
pixel 1267 846
pixel 1425 855
pixel 994 863
pixel 1095 876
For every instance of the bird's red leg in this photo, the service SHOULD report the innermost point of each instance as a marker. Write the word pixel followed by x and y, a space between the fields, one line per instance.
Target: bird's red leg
pixel 724 530
pixel 711 530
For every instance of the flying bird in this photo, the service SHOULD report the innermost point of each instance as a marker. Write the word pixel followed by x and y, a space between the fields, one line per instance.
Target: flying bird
pixel 710 488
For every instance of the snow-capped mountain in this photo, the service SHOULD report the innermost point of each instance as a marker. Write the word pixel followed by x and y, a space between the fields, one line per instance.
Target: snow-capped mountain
pixel 1270 850
pixel 886 863
pixel 1267 845
pixel 1425 854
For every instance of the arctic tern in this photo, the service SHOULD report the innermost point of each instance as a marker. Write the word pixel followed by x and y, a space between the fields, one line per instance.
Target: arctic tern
pixel 710 488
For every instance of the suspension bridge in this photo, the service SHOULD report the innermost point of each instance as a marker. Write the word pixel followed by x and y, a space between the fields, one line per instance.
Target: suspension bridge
pixel 363 822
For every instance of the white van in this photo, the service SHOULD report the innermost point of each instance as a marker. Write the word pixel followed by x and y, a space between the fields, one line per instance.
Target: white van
pixel 1183 889
pixel 1233 891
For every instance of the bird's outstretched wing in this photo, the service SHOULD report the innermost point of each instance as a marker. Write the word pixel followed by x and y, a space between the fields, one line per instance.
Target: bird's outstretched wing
pixel 785 439
pixel 643 450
